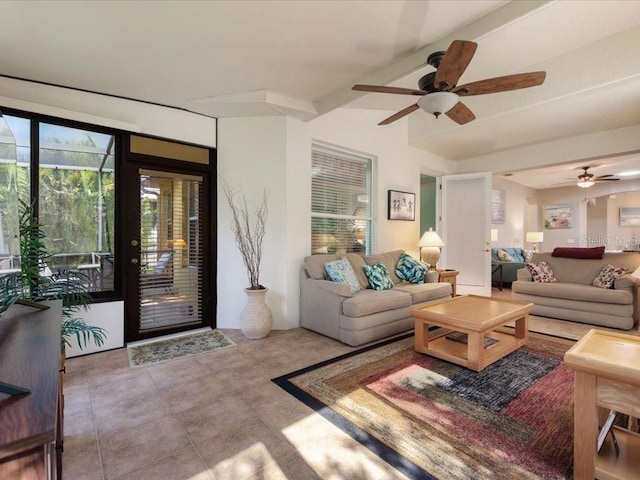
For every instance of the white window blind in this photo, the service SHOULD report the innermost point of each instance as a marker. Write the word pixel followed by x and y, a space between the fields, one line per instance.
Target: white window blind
pixel 340 202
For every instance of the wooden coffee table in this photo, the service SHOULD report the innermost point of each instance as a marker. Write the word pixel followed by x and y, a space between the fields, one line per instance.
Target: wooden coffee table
pixel 478 318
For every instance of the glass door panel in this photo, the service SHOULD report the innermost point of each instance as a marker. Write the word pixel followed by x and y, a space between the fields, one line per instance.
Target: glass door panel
pixel 170 261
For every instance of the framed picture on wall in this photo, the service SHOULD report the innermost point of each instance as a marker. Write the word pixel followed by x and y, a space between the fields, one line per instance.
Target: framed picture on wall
pixel 558 216
pixel 497 206
pixel 401 206
pixel 630 216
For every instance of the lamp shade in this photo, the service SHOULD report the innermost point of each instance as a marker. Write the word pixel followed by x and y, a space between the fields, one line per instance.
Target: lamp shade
pixel 535 237
pixel 437 103
pixel 430 244
pixel 586 183
pixel 430 239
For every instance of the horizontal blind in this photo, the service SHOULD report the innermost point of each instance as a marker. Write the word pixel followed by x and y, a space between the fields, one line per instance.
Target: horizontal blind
pixel 340 201
pixel 171 251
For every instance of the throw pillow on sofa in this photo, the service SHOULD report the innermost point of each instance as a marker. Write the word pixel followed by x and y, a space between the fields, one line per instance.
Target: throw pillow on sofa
pixel 410 269
pixel 541 272
pixel 608 275
pixel 378 276
pixel 340 271
pixel 505 257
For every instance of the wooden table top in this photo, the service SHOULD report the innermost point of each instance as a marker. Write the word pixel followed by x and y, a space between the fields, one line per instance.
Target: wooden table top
pixel 473 312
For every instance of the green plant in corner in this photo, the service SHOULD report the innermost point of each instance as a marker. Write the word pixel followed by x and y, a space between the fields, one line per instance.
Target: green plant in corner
pixel 69 287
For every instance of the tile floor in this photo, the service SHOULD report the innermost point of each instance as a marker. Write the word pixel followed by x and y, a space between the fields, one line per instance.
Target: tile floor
pixel 215 416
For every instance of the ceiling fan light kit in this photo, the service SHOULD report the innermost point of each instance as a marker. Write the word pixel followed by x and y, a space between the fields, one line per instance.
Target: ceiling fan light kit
pixel 440 91
pixel 438 103
pixel 586 179
pixel 586 183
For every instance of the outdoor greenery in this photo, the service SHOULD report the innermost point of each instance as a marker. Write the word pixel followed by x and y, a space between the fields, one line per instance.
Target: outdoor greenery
pixel 70 287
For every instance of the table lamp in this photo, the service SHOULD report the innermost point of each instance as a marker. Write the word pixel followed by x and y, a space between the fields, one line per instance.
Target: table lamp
pixel 535 238
pixel 430 244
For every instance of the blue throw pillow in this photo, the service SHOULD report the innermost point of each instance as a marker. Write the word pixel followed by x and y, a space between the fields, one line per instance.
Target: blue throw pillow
pixel 378 276
pixel 410 269
pixel 341 271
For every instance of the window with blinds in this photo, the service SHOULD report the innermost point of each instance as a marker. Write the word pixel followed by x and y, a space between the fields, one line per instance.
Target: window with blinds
pixel 340 201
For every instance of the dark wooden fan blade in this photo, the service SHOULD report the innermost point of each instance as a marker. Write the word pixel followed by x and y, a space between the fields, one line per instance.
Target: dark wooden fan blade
pixel 454 63
pixel 600 179
pixel 460 114
pixel 402 113
pixel 383 89
pixel 604 176
pixel 501 84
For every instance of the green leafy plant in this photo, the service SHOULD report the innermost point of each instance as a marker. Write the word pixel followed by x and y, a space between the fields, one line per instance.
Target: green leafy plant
pixel 70 287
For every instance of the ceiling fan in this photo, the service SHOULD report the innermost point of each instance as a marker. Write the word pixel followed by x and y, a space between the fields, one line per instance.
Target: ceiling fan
pixel 440 91
pixel 586 179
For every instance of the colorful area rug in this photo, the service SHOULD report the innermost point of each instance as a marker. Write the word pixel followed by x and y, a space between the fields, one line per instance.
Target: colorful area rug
pixel 432 419
pixel 177 347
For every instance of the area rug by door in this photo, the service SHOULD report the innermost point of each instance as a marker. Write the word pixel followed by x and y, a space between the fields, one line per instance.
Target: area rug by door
pixel 432 419
pixel 177 347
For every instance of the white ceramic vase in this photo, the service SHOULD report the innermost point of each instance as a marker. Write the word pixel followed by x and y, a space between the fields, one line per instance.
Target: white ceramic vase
pixel 255 319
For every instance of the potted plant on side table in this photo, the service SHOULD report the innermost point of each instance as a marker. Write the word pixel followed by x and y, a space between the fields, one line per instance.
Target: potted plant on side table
pixel 255 319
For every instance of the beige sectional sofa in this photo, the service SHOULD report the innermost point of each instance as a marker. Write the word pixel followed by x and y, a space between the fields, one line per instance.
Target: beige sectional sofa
pixel 574 297
pixel 331 309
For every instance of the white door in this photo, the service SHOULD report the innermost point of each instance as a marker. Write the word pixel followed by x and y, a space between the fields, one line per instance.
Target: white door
pixel 466 230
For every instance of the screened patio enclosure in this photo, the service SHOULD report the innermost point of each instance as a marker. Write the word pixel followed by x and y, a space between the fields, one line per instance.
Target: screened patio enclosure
pixel 71 173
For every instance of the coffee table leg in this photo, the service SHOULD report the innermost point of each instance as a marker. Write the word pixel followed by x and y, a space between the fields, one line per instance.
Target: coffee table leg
pixel 522 328
pixel 421 335
pixel 475 350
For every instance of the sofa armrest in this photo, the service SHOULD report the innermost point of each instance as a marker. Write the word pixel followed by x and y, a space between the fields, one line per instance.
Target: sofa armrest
pixel 624 281
pixel 524 275
pixel 432 276
pixel 341 289
pixel 321 305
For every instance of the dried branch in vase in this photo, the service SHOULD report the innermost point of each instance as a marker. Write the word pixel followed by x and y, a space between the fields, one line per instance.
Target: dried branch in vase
pixel 248 238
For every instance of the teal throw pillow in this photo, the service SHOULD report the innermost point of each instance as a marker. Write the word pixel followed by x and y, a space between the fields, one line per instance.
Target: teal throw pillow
pixel 341 271
pixel 378 276
pixel 410 269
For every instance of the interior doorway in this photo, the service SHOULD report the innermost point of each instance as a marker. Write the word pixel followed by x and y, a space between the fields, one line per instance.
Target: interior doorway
pixel 428 190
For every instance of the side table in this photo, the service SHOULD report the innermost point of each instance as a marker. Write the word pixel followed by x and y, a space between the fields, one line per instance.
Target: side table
pixel 497 267
pixel 607 377
pixel 449 275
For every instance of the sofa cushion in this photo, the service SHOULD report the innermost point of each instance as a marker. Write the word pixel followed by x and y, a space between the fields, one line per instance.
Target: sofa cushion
pixel 592 253
pixel 608 275
pixel 314 265
pixel 574 291
pixel 369 301
pixel 378 276
pixel 425 292
pixel 541 272
pixel 389 260
pixel 410 269
pixel 358 263
pixel 341 271
pixel 504 256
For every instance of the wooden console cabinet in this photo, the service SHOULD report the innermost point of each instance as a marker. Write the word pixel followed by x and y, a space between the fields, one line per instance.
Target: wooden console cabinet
pixel 30 423
pixel 607 377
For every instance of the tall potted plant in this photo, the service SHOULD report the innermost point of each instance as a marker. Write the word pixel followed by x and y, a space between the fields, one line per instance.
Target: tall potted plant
pixel 71 289
pixel 255 319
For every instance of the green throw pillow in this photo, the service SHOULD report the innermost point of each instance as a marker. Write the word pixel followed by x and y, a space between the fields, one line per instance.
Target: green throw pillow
pixel 410 269
pixel 378 276
pixel 341 271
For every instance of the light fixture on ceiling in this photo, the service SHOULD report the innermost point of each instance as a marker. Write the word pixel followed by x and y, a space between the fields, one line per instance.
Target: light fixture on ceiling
pixel 437 103
pixel 586 183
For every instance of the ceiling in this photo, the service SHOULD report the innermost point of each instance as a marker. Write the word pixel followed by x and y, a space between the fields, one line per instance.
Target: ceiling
pixel 245 58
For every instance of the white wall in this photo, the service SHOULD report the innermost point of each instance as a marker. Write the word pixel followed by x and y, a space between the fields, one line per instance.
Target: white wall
pixel 275 153
pixel 518 214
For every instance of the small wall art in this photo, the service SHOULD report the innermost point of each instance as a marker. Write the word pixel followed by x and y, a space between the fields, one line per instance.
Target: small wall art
pixel 558 216
pixel 497 206
pixel 402 206
pixel 630 216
